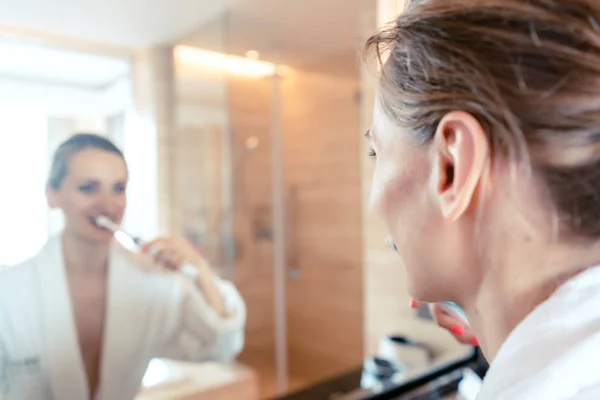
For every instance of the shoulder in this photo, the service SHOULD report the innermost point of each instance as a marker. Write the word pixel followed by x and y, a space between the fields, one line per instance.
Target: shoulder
pixel 24 274
pixel 19 294
pixel 16 275
pixel 538 360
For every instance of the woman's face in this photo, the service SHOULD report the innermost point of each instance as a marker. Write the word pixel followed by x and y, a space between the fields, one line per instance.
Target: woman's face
pixel 94 185
pixel 405 194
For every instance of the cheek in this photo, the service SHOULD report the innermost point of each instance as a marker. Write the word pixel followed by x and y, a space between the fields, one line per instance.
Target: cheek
pixel 377 194
pixel 118 206
pixel 395 193
pixel 80 204
pixel 75 204
pixel 121 198
pixel 387 178
pixel 122 203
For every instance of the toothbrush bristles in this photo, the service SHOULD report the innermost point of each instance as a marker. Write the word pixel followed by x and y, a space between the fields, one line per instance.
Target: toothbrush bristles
pixel 105 222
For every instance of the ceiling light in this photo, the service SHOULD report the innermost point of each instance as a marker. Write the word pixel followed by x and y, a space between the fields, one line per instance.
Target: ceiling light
pixel 222 62
pixel 253 54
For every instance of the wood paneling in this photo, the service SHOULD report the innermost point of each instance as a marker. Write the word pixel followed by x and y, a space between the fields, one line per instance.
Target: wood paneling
pixel 319 123
pixel 321 143
pixel 250 117
pixel 320 136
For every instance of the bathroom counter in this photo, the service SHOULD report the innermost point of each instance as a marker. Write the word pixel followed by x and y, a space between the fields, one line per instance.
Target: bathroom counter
pixel 437 383
pixel 173 380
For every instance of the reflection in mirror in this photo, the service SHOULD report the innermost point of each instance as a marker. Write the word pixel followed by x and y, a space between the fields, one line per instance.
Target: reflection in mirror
pixel 241 123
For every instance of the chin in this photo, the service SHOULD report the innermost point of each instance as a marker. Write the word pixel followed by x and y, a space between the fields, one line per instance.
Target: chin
pixel 97 237
pixel 105 237
pixel 104 240
pixel 424 290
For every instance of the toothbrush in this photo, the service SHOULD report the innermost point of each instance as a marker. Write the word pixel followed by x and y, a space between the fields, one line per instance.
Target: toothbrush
pixel 104 222
pixel 454 310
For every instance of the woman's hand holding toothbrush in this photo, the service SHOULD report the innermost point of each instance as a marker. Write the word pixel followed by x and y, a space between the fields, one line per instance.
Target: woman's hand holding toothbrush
pixel 175 253
pixel 450 321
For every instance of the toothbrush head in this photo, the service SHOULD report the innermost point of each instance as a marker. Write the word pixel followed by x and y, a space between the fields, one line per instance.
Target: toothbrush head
pixel 454 310
pixel 102 221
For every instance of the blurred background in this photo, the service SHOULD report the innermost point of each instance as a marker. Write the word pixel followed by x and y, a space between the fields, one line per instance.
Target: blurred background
pixel 242 122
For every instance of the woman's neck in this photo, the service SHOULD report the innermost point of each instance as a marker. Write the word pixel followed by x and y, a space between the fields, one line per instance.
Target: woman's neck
pixel 84 257
pixel 526 276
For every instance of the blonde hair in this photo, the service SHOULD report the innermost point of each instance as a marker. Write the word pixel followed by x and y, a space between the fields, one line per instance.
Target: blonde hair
pixel 72 146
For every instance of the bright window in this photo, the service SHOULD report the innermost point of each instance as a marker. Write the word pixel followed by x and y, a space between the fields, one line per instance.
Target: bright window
pixel 23 169
pixel 140 148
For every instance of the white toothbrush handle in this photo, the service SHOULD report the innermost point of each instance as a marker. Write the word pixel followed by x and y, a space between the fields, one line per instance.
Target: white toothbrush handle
pixel 189 270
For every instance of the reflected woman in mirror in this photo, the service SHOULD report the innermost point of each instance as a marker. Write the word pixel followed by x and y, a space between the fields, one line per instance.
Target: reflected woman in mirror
pixel 486 136
pixel 83 318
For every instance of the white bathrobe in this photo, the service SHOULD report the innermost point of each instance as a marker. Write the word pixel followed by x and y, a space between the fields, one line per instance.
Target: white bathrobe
pixel 150 313
pixel 554 353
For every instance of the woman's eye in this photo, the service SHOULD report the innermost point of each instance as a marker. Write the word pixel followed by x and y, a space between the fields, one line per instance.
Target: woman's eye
pixel 89 188
pixel 119 188
pixel 371 153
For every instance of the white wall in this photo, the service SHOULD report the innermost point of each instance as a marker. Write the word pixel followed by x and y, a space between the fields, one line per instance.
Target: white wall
pixel 61 100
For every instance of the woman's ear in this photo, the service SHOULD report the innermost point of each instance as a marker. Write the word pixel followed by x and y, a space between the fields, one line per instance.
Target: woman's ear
pixel 460 154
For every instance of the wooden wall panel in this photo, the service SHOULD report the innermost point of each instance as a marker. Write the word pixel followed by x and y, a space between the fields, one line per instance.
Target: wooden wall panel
pixel 320 118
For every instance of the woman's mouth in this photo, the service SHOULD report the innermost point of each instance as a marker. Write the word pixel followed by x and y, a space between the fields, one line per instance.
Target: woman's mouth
pixel 103 222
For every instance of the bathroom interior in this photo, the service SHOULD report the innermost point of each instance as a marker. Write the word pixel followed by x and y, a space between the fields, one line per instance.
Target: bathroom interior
pixel 242 123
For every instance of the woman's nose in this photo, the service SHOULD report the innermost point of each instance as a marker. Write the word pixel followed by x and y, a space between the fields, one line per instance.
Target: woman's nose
pixel 110 204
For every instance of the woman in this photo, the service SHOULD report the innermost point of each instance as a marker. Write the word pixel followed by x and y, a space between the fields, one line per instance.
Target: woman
pixel 83 318
pixel 486 135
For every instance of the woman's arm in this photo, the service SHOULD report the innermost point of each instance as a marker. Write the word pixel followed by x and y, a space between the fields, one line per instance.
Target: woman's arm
pixel 205 280
pixel 209 311
pixel 174 252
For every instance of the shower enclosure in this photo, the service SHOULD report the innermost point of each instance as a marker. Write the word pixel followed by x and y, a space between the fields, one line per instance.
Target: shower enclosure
pixel 266 180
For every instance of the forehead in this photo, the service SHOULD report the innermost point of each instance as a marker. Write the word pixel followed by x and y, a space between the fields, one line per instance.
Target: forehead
pixel 96 164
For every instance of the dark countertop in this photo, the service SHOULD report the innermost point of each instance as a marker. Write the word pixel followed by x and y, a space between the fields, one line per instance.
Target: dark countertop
pixel 437 384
